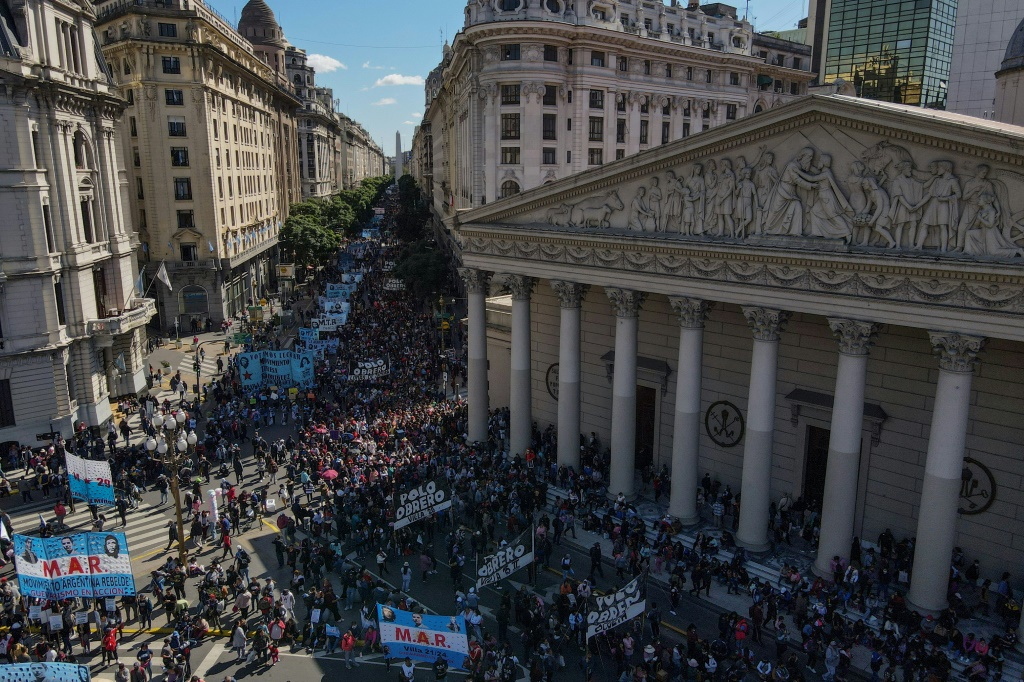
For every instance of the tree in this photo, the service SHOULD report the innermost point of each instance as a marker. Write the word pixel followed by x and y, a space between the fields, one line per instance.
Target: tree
pixel 413 214
pixel 422 267
pixel 308 239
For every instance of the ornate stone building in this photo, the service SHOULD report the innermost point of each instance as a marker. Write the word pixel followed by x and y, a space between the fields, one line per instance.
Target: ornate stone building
pixel 361 157
pixel 531 92
pixel 72 325
pixel 824 300
pixel 318 128
pixel 210 135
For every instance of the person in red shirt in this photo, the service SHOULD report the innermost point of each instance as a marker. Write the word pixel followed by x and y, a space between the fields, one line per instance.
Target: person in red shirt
pixel 110 647
pixel 60 511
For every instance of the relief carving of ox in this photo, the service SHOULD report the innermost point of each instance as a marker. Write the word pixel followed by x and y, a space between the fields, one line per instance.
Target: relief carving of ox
pixel 592 212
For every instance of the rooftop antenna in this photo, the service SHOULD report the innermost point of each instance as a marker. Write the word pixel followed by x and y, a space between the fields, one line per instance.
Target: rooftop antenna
pixel 746 14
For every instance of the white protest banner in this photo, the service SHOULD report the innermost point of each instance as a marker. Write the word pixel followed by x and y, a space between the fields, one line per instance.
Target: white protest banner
pixel 367 370
pixel 90 479
pixel 81 618
pixel 618 607
pixel 56 622
pixel 420 502
pixel 506 561
pixel 393 284
pixel 44 672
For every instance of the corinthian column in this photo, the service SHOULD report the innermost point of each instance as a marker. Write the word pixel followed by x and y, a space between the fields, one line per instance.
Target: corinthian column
pixel 940 492
pixel 520 418
pixel 839 503
pixel 755 485
pixel 686 429
pixel 476 290
pixel 570 295
pixel 626 304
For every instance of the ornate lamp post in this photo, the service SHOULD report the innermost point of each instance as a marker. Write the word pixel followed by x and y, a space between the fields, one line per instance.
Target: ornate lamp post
pixel 171 456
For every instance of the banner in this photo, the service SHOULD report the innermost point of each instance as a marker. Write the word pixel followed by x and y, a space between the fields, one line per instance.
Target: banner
pixel 90 480
pixel 394 285
pixel 388 266
pixel 44 672
pixel 281 368
pixel 422 637
pixel 420 502
pixel 309 334
pixel 286 271
pixel 87 565
pixel 317 348
pixel 618 607
pixel 506 561
pixel 368 370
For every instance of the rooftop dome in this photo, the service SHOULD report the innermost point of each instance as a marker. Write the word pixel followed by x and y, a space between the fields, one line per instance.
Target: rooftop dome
pixel 1014 58
pixel 258 24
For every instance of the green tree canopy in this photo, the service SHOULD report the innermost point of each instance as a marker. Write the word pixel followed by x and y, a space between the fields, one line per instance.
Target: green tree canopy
pixel 309 241
pixel 422 267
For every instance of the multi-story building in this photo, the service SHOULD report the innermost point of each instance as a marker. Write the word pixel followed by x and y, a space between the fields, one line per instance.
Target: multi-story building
pixel 532 92
pixel 72 325
pixel 361 157
pixel 889 50
pixel 983 29
pixel 318 128
pixel 210 137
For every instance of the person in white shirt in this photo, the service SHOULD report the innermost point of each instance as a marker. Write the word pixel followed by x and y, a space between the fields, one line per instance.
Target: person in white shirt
pixel 408 670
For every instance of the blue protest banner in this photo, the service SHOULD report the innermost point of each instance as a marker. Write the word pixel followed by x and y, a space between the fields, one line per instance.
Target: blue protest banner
pixel 423 637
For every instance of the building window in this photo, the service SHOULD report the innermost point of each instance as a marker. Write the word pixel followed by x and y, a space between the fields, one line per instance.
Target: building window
pixel 794 88
pixel 689 73
pixel 130 96
pixel 664 132
pixel 548 156
pixel 668 67
pixel 623 64
pixel 595 156
pixel 171 64
pixel 568 56
pixel 182 189
pixel 51 245
pixel 620 154
pixel 568 156
pixel 686 128
pixel 666 108
pixel 596 128
pixel 568 123
pixel 734 78
pixel 174 98
pixel 510 53
pixel 797 64
pixel 596 58
pixel 136 158
pixel 597 99
pixel 510 155
pixel 620 103
pixel 509 188
pixel 509 5
pixel 189 252
pixel 620 131
pixel 730 112
pixel 168 30
pixel 645 106
pixel 644 125
pixel 549 126
pixel 176 126
pixel 139 193
pixel 133 127
pixel 186 219
pixel 510 126
pixel 179 156
pixel 647 67
pixel 58 294
pixel 550 53
pixel 510 94
pixel 550 93
pixel 707 76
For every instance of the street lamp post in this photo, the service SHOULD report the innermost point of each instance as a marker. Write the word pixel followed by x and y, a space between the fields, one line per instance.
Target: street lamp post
pixel 171 446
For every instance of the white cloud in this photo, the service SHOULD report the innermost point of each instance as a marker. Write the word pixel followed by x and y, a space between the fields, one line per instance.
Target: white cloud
pixel 410 123
pixel 385 102
pixel 417 115
pixel 398 79
pixel 368 65
pixel 324 64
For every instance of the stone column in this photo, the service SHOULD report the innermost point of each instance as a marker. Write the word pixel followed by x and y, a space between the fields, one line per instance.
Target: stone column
pixel 840 499
pixel 476 291
pixel 686 428
pixel 626 304
pixel 571 296
pixel 520 416
pixel 940 492
pixel 755 486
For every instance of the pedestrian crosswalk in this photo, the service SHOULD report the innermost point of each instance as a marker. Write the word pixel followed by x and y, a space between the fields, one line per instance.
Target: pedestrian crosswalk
pixel 207 365
pixel 146 530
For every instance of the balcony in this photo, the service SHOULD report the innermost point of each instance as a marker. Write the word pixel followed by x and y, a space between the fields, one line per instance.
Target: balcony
pixel 142 310
pixel 202 264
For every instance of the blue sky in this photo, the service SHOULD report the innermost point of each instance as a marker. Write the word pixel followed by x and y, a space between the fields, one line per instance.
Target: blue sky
pixel 375 53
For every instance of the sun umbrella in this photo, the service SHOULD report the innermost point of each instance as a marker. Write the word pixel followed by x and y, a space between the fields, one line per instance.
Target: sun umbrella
pixel 330 474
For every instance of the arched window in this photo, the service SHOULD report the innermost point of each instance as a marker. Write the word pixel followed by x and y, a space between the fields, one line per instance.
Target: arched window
pixel 193 300
pixel 509 5
pixel 553 6
pixel 509 188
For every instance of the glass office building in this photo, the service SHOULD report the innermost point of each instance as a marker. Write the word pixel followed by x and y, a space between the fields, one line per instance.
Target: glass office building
pixel 892 50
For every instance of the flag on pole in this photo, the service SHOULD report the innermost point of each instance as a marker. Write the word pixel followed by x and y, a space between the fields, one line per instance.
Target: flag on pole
pixel 210 244
pixel 162 275
pixel 140 284
pixel 119 363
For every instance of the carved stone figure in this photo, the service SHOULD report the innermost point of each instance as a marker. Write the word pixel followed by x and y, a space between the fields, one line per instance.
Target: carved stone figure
pixel 746 202
pixel 711 188
pixel 595 211
pixel 785 214
pixel 693 202
pixel 766 178
pixel 725 200
pixel 973 189
pixel 875 214
pixel 192 31
pixel 855 183
pixel 984 238
pixel 905 195
pixel 640 214
pixel 676 192
pixel 828 213
pixel 941 206
pixel 654 205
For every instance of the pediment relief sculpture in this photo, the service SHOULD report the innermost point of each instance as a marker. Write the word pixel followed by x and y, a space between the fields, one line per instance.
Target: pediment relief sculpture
pixel 876 195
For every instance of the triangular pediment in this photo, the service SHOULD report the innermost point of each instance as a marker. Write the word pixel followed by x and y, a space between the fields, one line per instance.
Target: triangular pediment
pixel 824 172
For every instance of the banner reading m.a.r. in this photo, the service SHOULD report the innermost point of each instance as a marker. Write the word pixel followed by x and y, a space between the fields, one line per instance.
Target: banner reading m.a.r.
pixel 618 607
pixel 420 502
pixel 85 565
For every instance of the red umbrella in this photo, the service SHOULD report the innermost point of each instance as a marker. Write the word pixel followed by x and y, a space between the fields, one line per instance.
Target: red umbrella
pixel 330 474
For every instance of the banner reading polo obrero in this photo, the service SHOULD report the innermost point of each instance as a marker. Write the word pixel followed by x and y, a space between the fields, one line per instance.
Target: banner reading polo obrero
pixel 618 607
pixel 422 637
pixel 420 502
pixel 506 561
pixel 86 565
pixel 44 672
pixel 281 368
pixel 90 480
